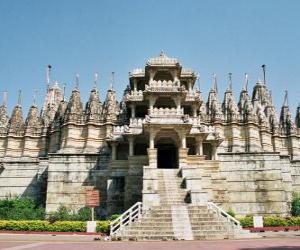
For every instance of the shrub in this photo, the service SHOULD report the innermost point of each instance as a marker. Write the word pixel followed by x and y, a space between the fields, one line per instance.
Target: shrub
pixel 65 214
pixel 46 226
pixel 113 217
pixel 231 212
pixel 274 221
pixel 21 209
pixel 246 221
pixel 293 221
pixel 295 209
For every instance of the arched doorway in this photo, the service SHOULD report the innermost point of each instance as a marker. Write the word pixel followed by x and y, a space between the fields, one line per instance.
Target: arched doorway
pixel 167 142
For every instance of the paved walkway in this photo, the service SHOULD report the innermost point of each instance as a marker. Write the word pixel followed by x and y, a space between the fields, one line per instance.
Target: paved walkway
pixel 41 242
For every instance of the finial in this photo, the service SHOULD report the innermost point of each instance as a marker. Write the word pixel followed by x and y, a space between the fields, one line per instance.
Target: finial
pixel 215 85
pixel 286 100
pixel 19 97
pixel 48 75
pixel 112 80
pixel 246 82
pixel 264 73
pixel 77 81
pixel 230 81
pixel 95 80
pixel 5 98
pixel 34 97
pixel 162 53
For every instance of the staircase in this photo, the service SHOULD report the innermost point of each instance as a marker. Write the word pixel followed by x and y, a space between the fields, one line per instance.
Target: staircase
pixel 174 219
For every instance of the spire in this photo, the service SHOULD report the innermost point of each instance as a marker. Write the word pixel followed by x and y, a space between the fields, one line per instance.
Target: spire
pixel 298 116
pixel 48 75
pixel 33 122
pixel 34 97
pixel 198 81
pixel 64 92
pixel 246 82
pixel 20 97
pixel 5 98
pixel 285 100
pixel 77 81
pixel 230 81
pixel 215 84
pixel 112 81
pixel 95 80
pixel 264 73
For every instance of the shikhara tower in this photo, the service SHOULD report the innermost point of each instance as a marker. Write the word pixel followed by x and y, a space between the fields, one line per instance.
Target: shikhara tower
pixel 238 153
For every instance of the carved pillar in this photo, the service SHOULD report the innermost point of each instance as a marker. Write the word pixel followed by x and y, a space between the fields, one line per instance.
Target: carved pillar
pixel 214 151
pixel 135 84
pixel 183 141
pixel 152 101
pixel 194 111
pixel 189 85
pixel 151 140
pixel 131 146
pixel 199 146
pixel 132 110
pixel 113 151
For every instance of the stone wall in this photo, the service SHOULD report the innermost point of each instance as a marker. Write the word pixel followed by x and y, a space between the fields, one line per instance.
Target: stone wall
pixel 258 183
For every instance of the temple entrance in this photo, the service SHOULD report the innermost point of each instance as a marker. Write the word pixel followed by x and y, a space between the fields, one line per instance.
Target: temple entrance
pixel 167 156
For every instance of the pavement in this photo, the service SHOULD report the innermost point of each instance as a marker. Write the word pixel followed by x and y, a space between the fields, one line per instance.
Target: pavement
pixel 269 241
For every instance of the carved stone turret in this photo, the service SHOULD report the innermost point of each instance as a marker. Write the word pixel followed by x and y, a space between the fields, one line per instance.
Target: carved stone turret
pixel 33 123
pixel 287 125
pixel 16 122
pixel 74 111
pixel 52 100
pixel 213 106
pixel 229 107
pixel 4 119
pixel 111 108
pixel 93 108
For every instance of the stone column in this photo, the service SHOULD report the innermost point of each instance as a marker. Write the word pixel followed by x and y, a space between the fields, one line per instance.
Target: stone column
pixel 151 140
pixel 113 151
pixel 189 85
pixel 214 151
pixel 183 141
pixel 194 111
pixel 135 84
pixel 199 146
pixel 151 102
pixel 131 146
pixel 132 110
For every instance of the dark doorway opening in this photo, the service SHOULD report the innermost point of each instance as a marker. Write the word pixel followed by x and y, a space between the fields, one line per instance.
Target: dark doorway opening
pixel 167 156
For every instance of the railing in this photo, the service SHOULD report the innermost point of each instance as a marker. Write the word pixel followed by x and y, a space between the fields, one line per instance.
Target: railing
pixel 163 112
pixel 164 86
pixel 220 212
pixel 129 216
pixel 134 96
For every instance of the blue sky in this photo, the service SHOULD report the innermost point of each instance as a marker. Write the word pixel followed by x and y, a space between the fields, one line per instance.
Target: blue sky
pixel 90 36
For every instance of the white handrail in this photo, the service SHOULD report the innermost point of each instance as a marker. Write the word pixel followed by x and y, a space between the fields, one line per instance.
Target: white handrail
pixel 126 218
pixel 220 211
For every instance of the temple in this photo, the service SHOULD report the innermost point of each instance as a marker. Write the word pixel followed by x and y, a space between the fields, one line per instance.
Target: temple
pixel 236 153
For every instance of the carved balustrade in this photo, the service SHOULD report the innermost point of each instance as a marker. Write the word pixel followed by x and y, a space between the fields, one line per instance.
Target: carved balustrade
pixel 134 96
pixel 164 86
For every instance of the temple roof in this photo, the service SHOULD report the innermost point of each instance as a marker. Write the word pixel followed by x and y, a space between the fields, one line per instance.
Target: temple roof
pixel 163 60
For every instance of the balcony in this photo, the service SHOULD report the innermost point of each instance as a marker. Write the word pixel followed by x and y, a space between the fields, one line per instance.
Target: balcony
pixel 134 96
pixel 167 116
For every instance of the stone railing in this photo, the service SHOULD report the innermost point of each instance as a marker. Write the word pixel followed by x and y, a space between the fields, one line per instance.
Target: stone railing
pixel 164 86
pixel 165 112
pixel 136 122
pixel 134 96
pixel 193 96
pixel 125 219
pixel 137 72
pixel 187 71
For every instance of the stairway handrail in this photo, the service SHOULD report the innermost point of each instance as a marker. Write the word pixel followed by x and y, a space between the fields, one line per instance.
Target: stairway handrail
pixel 126 218
pixel 220 211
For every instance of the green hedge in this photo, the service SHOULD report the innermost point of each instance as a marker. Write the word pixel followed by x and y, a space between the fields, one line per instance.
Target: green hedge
pixel 272 221
pixel 46 226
